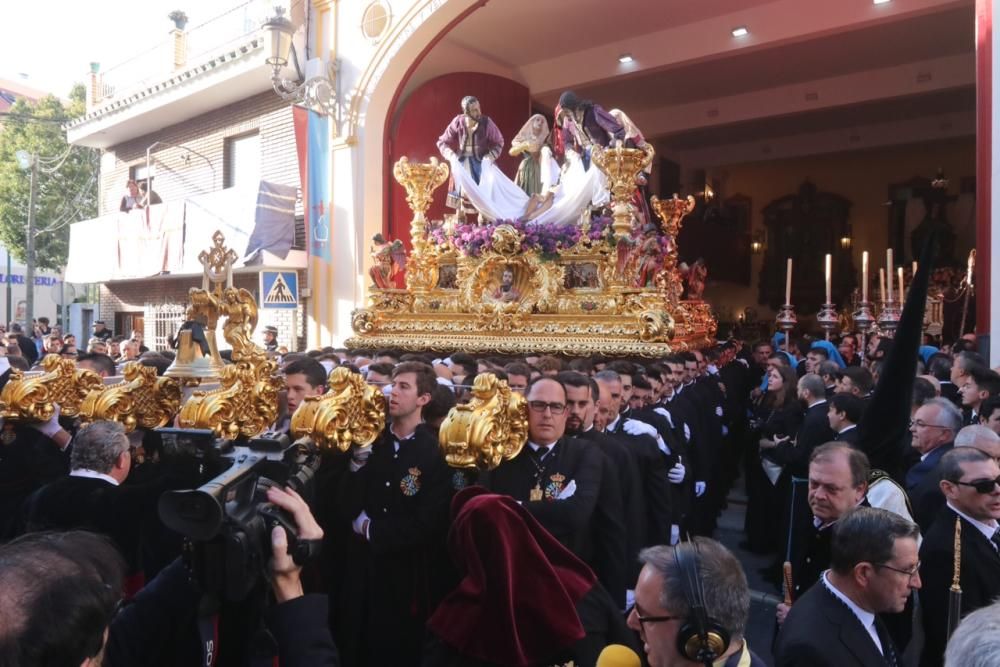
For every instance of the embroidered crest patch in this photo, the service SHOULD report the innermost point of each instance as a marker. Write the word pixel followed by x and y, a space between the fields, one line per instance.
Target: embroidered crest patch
pixel 410 484
pixel 554 487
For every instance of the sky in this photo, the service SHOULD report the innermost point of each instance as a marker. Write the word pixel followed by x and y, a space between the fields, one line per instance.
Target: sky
pixel 53 43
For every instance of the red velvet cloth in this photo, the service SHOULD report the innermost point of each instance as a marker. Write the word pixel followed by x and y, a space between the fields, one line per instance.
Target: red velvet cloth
pixel 516 604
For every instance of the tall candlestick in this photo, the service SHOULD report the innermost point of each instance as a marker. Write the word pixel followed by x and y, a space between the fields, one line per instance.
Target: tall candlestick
pixel 881 285
pixel 914 270
pixel 829 260
pixel 788 282
pixel 888 270
pixel 864 276
pixel 900 285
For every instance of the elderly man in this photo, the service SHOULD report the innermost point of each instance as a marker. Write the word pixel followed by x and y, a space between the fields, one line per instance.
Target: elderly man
pixel 472 139
pixel 873 569
pixel 969 482
pixel 665 596
pixel 934 427
pixel 982 438
pixel 976 642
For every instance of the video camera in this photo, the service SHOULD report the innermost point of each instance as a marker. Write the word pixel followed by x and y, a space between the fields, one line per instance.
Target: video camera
pixel 228 520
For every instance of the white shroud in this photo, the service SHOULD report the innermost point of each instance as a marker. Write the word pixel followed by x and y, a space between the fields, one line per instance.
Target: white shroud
pixel 497 197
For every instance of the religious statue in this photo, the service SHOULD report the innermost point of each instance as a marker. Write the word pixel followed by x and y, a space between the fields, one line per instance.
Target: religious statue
pixel 935 221
pixel 389 261
pixel 506 292
pixel 471 139
pixel 584 124
pixel 696 274
pixel 534 174
pixel 649 256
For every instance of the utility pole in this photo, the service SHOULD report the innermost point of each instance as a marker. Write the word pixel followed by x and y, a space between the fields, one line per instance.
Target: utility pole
pixel 29 273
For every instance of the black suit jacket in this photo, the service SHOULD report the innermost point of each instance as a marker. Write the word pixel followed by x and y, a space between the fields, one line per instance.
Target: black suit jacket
pixel 850 437
pixel 821 631
pixel 569 520
pixel 923 487
pixel 815 431
pixel 28 463
pixel 661 511
pixel 980 578
pixel 950 391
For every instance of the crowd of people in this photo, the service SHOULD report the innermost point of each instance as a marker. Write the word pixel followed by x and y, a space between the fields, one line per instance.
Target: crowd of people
pixel 596 536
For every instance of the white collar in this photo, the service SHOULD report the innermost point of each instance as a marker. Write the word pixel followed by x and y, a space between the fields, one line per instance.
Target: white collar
pixel 847 429
pixel 535 447
pixel 986 529
pixel 819 402
pixel 612 425
pixel 93 474
pixel 866 618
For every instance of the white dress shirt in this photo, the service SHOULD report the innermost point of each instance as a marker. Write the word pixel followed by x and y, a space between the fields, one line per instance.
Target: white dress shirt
pixel 93 474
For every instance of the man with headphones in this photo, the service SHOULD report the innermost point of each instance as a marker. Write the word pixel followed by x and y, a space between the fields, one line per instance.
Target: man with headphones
pixel 691 606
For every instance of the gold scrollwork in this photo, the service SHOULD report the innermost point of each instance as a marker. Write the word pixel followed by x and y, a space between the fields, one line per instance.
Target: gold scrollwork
pixel 33 398
pixel 350 412
pixel 490 429
pixel 140 400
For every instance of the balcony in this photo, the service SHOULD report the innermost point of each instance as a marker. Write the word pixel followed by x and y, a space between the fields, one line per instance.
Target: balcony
pixel 166 239
pixel 192 72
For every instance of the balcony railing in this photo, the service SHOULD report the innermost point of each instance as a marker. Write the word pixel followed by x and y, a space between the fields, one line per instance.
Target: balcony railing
pixel 192 47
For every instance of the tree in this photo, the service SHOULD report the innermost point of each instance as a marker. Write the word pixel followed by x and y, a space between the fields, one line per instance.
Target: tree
pixel 67 178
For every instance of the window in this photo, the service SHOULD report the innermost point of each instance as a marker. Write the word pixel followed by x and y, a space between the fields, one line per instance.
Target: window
pixel 242 161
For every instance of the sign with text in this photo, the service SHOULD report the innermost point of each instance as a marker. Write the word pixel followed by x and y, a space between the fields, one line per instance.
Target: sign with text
pixel 279 289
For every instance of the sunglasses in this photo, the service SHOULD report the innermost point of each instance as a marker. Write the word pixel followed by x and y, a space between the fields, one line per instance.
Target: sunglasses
pixel 982 486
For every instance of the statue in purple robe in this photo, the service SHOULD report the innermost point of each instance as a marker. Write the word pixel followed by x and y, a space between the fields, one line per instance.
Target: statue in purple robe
pixel 585 124
pixel 472 139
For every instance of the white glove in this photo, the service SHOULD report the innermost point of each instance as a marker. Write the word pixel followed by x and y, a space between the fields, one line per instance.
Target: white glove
pixel 50 427
pixel 567 491
pixel 361 524
pixel 675 534
pixel 664 413
pixel 676 474
pixel 448 153
pixel 629 599
pixel 699 489
pixel 359 457
pixel 635 427
pixel 662 445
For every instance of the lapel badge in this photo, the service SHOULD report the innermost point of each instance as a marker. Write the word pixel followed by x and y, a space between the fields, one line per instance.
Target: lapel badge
pixel 410 484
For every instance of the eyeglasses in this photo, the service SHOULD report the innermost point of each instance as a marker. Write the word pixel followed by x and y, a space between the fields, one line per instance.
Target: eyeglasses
pixel 540 406
pixel 912 572
pixel 982 486
pixel 920 423
pixel 655 619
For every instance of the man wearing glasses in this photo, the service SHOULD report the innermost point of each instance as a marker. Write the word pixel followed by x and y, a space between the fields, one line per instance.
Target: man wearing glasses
pixel 874 566
pixel 934 427
pixel 556 478
pixel 969 482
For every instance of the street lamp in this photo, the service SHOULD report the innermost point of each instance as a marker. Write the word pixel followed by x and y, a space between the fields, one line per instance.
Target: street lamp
pixel 317 92
pixel 27 161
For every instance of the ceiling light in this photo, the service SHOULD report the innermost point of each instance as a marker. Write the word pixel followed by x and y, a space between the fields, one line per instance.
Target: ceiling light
pixel 741 31
pixel 880 2
pixel 625 58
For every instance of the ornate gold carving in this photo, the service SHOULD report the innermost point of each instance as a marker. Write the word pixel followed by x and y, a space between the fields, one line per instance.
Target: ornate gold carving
pixel 33 398
pixel 420 181
pixel 622 166
pixel 351 411
pixel 491 428
pixel 140 400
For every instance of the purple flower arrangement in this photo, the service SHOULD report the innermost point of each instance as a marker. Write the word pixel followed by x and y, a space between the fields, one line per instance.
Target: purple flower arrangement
pixel 547 239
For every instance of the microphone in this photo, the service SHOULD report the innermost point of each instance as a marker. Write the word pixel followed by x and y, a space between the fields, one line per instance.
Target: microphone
pixel 618 655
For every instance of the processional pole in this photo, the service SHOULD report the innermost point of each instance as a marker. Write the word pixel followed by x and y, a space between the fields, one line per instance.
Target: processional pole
pixel 955 592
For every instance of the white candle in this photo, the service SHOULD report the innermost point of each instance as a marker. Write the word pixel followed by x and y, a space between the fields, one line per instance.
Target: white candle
pixel 829 260
pixel 788 282
pixel 881 285
pixel 888 271
pixel 864 276
pixel 901 284
pixel 914 270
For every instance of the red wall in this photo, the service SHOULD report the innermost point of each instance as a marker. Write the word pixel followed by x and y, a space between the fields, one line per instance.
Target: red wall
pixel 423 116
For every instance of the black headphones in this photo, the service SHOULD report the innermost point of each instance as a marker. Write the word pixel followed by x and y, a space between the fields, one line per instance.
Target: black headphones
pixel 701 638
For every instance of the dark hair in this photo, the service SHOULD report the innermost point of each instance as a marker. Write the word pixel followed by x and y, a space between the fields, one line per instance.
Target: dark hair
pixel 518 368
pixel 641 382
pixel 857 460
pixel 575 379
pixel 859 377
pixel 380 353
pixel 923 391
pixel 939 365
pixel 986 379
pixel 827 367
pixel 442 401
pixel 867 535
pixel 102 362
pixel 383 368
pixel 987 407
pixel 314 371
pixel 155 360
pixel 549 363
pixel 852 406
pixel 426 377
pixel 410 356
pixel 821 351
pixel 950 465
pixel 761 343
pixel 585 366
pixel 60 593
pixel 18 362
pixel 621 367
pixel 789 389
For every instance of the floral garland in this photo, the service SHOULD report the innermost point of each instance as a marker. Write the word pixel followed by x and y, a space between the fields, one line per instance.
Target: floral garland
pixel 548 239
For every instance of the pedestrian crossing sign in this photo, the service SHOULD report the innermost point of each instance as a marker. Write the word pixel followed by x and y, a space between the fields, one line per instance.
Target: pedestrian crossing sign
pixel 279 289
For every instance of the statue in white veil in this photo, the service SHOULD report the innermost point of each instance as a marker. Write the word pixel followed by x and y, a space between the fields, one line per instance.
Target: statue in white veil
pixel 538 173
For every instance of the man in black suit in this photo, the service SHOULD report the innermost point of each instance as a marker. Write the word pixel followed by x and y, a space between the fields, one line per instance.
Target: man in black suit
pixel 969 483
pixel 396 496
pixel 873 568
pixel 933 428
pixel 815 429
pixel 939 366
pixel 844 415
pixel 977 386
pixel 557 478
pixel 618 515
pixel 989 414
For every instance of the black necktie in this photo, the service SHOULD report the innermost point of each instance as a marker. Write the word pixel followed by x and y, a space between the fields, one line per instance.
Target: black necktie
pixel 995 539
pixel 541 452
pixel 888 650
